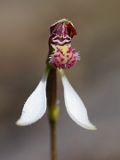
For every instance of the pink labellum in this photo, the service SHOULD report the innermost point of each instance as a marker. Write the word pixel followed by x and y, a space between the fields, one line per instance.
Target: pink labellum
pixel 60 59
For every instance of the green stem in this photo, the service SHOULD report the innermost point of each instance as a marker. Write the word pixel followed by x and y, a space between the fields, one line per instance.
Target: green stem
pixel 53 110
pixel 53 141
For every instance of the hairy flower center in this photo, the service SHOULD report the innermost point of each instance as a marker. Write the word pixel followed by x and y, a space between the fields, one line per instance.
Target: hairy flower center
pixel 63 56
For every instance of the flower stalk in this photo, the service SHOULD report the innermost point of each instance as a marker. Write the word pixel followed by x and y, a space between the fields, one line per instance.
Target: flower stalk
pixel 61 55
pixel 53 111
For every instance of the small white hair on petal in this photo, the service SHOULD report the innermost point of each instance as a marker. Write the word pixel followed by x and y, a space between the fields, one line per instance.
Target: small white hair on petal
pixel 75 107
pixel 35 106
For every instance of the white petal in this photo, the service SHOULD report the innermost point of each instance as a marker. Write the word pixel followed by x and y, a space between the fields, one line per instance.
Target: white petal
pixel 35 106
pixel 75 106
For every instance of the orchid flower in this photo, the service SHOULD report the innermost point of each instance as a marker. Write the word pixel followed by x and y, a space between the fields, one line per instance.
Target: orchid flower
pixel 61 56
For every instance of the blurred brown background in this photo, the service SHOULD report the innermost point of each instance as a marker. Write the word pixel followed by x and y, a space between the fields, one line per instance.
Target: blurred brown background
pixel 24 31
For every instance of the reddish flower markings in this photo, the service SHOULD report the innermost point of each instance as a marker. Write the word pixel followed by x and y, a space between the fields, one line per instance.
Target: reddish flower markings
pixel 63 56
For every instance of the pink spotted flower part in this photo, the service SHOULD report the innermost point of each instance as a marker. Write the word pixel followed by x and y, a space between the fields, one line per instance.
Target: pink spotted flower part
pixel 64 60
pixel 63 55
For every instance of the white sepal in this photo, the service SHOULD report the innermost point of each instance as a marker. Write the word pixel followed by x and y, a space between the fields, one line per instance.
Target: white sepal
pixel 75 107
pixel 35 106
